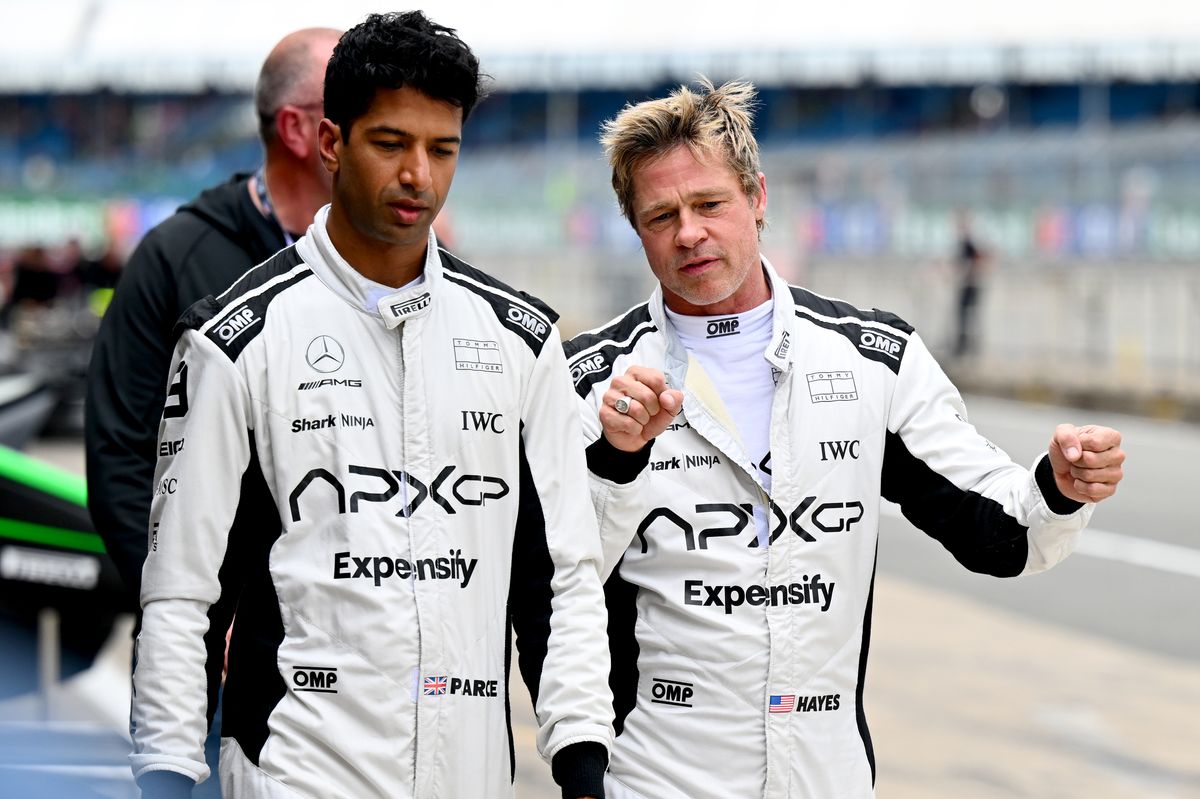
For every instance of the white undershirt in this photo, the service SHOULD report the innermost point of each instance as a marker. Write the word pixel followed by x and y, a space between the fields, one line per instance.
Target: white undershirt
pixel 732 355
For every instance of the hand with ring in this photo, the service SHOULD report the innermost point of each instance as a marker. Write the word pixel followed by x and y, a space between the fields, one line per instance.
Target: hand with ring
pixel 638 406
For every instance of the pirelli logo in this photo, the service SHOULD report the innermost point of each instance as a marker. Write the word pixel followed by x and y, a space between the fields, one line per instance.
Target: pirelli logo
pixel 409 306
pixel 832 387
pixel 474 355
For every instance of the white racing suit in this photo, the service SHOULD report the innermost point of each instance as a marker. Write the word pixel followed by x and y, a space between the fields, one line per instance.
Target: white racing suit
pixel 737 668
pixel 381 476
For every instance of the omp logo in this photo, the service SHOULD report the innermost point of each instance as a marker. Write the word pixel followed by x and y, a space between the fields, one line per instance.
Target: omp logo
pixel 176 405
pixel 483 421
pixel 589 365
pixel 316 679
pixel 168 448
pixel 874 340
pixel 826 517
pixel 832 387
pixel 325 354
pixel 329 381
pixel 236 324
pixel 527 321
pixel 839 450
pixel 347 566
pixel 671 692
pixel 809 591
pixel 468 490
pixel 475 355
pixel 410 306
pixel 723 327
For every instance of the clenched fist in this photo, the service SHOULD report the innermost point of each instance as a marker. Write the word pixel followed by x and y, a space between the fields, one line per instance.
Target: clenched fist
pixel 651 407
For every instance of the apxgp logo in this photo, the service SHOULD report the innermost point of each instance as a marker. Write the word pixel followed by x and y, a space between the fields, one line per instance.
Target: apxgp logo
pixel 827 517
pixel 468 490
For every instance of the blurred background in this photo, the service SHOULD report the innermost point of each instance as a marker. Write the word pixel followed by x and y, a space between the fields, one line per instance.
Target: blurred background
pixel 1042 156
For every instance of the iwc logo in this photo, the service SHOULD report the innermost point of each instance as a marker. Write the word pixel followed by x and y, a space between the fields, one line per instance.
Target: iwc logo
pixel 325 354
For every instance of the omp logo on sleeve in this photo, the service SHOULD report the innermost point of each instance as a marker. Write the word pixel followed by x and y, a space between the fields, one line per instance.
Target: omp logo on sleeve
pixel 530 323
pixel 236 324
pixel 475 355
pixel 874 340
pixel 176 405
pixel 587 366
pixel 410 306
pixel 832 386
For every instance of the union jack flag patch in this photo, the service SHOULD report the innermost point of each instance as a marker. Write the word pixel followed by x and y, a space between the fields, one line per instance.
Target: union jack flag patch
pixel 434 686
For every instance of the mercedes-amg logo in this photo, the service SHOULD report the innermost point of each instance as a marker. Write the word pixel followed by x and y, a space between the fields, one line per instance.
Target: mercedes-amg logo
pixel 325 354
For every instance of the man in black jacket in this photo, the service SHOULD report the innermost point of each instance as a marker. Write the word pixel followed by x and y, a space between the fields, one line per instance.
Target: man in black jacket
pixel 200 250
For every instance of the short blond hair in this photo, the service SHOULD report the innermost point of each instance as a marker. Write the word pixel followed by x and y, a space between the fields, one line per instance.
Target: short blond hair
pixel 712 121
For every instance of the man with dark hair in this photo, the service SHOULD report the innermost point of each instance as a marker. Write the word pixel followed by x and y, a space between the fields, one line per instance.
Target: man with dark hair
pixel 200 250
pixel 741 433
pixel 394 417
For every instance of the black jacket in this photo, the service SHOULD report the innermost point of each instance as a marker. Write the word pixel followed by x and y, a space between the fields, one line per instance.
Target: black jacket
pixel 200 250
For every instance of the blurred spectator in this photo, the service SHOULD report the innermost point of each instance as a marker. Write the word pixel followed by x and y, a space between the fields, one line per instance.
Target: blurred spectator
pixel 36 281
pixel 970 262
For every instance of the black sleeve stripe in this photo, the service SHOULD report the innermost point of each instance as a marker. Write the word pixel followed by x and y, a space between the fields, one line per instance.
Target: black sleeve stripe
pixel 278 264
pixel 615 331
pixel 974 528
pixel 532 328
pixel 457 266
pixel 827 306
pixel 860 714
pixel 871 343
pixel 530 593
pixel 244 318
pixel 591 355
pixel 620 597
pixel 254 686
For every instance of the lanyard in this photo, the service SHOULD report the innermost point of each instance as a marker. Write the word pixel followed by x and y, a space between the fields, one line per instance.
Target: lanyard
pixel 260 187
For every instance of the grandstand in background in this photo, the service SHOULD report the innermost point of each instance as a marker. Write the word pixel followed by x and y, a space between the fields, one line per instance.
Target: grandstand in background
pixel 1079 165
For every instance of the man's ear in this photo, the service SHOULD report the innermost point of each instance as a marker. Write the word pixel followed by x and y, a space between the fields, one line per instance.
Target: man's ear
pixel 329 143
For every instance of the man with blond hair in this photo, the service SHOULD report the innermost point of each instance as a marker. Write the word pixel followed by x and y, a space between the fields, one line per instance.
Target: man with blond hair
pixel 740 435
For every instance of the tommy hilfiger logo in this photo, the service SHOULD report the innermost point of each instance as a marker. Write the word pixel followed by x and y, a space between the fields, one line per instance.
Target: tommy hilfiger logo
pixel 475 355
pixel 832 386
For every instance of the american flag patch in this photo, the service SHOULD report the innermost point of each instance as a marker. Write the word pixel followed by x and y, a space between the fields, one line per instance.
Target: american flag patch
pixel 782 703
pixel 434 686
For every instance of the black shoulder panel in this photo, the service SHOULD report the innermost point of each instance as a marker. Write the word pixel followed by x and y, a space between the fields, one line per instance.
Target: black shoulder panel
pixel 603 346
pixel 242 316
pixel 872 343
pixel 511 306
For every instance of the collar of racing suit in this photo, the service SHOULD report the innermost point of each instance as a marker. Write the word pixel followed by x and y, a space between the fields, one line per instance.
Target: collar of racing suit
pixel 778 352
pixel 393 306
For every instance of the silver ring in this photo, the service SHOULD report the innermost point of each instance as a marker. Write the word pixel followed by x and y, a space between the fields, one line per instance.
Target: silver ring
pixel 622 405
